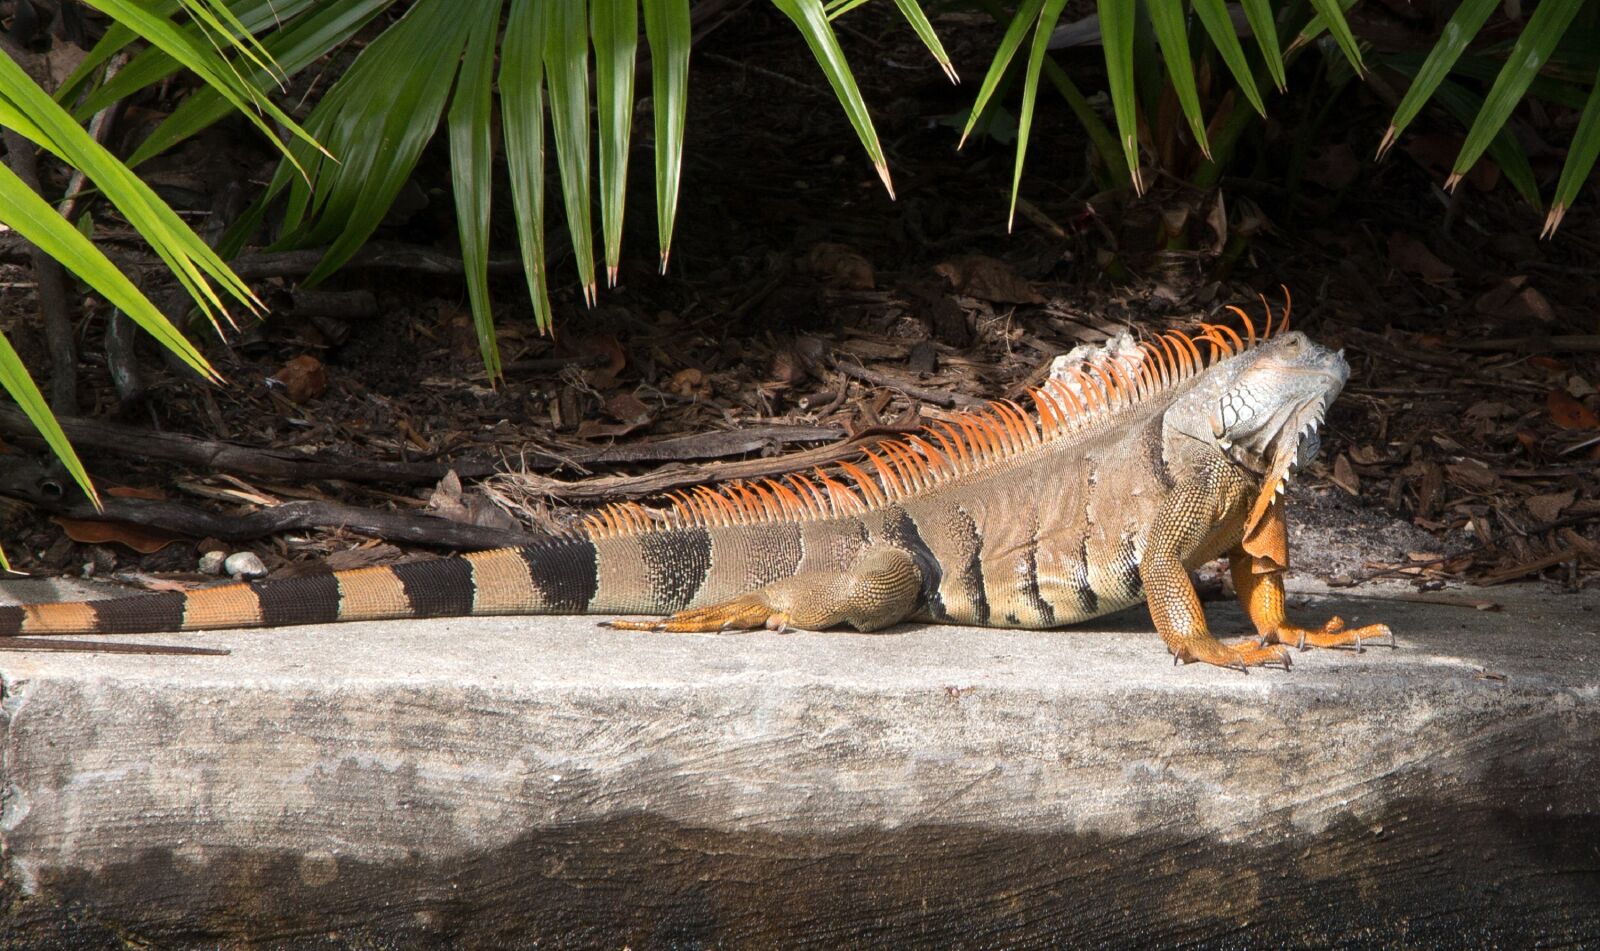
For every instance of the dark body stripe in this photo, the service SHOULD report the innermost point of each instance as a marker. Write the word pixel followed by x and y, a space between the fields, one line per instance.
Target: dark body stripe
pixel 1047 611
pixel 900 530
pixel 10 620
pixel 678 562
pixel 775 551
pixel 1087 599
pixel 1155 459
pixel 141 614
pixel 312 599
pixel 438 588
pixel 568 575
pixel 1128 568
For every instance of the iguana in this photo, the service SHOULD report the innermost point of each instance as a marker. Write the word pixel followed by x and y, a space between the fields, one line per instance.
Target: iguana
pixel 1135 464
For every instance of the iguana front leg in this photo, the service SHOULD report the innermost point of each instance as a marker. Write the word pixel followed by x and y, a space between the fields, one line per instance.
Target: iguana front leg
pixel 880 589
pixel 1184 520
pixel 1257 565
pixel 1261 594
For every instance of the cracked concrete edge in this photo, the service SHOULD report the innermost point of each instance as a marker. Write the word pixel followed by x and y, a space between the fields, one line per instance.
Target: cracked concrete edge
pixel 886 726
pixel 250 796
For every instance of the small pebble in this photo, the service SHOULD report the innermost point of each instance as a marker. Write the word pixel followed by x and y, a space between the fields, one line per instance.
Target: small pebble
pixel 244 565
pixel 211 562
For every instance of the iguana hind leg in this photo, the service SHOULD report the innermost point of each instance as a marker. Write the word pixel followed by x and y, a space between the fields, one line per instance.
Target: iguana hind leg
pixel 880 589
pixel 1261 594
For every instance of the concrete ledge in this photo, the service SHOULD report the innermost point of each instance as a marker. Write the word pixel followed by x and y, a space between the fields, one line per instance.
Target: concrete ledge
pixel 484 782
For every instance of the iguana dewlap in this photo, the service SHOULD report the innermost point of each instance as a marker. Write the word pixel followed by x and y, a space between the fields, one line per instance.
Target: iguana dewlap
pixel 1134 465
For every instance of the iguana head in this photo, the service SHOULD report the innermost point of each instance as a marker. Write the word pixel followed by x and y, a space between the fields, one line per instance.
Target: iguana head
pixel 1262 408
pixel 1266 417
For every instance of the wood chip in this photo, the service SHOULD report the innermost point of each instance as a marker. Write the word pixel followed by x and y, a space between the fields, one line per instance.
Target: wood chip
pixel 1527 568
pixel 1345 477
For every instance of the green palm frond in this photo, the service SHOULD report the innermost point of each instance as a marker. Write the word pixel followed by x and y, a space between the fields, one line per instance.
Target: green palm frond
pixel 573 61
pixel 31 112
pixel 1549 59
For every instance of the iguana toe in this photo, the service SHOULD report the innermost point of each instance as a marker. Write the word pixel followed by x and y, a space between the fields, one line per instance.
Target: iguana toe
pixel 741 614
pixel 1333 633
pixel 1240 657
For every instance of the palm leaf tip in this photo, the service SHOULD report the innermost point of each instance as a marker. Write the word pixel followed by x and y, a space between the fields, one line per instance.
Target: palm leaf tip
pixel 1389 136
pixel 883 173
pixel 1552 221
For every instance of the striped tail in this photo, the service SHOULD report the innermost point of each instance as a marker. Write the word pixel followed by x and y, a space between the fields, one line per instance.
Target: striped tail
pixel 558 577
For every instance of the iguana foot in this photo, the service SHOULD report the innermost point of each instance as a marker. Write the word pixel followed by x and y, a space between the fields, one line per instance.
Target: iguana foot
pixel 880 589
pixel 741 614
pixel 1331 634
pixel 1240 657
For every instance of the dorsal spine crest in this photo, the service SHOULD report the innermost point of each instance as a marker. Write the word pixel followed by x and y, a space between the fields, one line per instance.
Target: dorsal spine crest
pixel 1080 395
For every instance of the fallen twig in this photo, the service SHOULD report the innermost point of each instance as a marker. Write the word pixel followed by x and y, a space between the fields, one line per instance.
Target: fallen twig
pixel 1569 343
pixel 943 398
pixel 295 516
pixel 666 478
pixel 212 455
pixel 1529 567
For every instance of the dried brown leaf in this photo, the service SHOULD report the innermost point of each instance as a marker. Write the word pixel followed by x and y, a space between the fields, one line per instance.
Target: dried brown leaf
pixel 1569 413
pixel 1345 477
pixel 986 278
pixel 303 378
pixel 1411 255
pixel 689 382
pixel 1493 302
pixel 1472 476
pixel 1548 508
pixel 627 408
pixel 95 532
pixel 841 266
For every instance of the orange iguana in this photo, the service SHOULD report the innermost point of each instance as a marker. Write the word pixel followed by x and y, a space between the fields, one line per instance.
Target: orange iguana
pixel 1136 463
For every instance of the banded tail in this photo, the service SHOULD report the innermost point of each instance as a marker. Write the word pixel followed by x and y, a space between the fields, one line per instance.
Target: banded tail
pixel 559 577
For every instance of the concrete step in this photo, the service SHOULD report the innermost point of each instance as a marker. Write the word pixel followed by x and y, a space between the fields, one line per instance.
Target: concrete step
pixel 484 782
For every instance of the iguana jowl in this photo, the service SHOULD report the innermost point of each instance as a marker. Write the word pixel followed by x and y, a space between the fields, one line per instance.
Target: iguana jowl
pixel 1125 474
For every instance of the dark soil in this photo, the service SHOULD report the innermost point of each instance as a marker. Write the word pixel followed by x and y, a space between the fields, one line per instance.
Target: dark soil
pixel 1464 446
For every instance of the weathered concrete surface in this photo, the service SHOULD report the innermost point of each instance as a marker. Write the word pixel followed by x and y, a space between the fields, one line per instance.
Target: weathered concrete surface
pixel 490 782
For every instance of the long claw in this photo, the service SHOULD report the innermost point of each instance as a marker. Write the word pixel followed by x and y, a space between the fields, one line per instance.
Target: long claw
pixel 1333 634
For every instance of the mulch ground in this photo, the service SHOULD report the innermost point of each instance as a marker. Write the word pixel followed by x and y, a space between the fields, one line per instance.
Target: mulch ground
pixel 803 307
